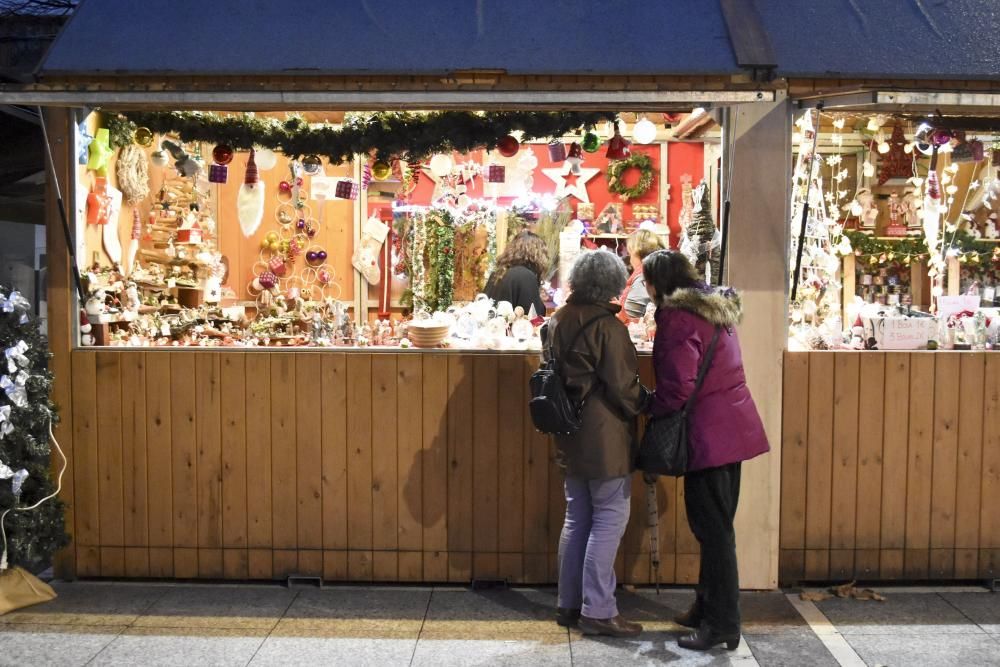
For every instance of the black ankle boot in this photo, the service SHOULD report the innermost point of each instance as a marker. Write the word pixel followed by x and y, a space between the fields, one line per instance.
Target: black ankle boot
pixel 705 639
pixel 691 618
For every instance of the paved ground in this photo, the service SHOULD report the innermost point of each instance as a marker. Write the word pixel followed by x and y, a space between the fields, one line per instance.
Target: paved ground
pixel 98 623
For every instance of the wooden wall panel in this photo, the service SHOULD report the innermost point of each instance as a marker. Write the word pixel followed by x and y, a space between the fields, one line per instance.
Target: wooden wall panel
pixel 208 397
pixel 385 497
pixel 234 465
pixel 914 455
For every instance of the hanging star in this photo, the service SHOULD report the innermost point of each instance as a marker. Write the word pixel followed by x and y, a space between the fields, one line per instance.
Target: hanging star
pixel 577 189
pixel 99 151
pixel 83 139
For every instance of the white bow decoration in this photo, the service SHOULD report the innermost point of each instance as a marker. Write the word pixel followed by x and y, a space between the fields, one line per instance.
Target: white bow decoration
pixel 15 390
pixel 18 481
pixel 15 302
pixel 6 428
pixel 15 356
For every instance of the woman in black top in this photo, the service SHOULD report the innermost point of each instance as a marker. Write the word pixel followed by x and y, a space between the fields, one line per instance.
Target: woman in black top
pixel 518 274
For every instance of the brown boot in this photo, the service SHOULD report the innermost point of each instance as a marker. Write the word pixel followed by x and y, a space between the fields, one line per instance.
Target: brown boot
pixel 609 627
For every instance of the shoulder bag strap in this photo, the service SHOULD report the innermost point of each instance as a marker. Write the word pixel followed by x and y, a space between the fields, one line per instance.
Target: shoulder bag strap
pixel 575 337
pixel 705 363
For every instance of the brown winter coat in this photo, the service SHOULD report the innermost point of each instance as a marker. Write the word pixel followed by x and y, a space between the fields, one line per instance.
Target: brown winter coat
pixel 603 360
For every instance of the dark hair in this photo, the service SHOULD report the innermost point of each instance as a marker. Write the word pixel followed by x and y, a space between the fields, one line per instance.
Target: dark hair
pixel 669 270
pixel 526 249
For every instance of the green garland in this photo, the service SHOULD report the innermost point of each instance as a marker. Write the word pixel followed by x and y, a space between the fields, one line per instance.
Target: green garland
pixel 387 135
pixel 443 259
pixel 639 161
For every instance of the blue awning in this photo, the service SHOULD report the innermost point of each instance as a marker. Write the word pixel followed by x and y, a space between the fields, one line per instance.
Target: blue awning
pixel 392 37
pixel 882 39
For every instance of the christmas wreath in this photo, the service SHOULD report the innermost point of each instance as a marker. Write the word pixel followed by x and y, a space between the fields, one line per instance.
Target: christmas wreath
pixel 639 161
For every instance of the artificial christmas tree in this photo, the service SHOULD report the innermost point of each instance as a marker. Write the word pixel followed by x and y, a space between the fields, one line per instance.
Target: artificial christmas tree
pixel 32 518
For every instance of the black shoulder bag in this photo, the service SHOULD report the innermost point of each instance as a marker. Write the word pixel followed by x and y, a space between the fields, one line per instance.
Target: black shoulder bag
pixel 664 447
pixel 551 409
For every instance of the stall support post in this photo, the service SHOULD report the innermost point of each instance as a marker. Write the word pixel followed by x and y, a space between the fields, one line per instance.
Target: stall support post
pixel 758 268
pixel 62 311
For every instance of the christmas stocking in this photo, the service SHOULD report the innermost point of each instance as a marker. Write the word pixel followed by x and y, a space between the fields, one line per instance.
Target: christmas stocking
pixel 365 257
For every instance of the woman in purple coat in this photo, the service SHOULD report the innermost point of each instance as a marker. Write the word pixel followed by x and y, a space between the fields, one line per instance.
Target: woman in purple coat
pixel 724 430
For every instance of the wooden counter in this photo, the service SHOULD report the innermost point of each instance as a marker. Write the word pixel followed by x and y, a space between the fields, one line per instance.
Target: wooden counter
pixel 890 466
pixel 353 466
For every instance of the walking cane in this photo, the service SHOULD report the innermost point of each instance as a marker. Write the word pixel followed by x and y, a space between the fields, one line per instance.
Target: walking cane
pixel 653 523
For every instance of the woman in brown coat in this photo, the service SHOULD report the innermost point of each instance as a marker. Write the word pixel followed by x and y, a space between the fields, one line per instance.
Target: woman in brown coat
pixel 601 373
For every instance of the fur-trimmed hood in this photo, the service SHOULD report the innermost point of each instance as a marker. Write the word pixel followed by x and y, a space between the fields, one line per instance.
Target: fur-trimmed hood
pixel 718 305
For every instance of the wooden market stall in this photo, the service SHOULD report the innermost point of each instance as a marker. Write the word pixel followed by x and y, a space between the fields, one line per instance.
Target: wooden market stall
pixel 354 464
pixel 395 465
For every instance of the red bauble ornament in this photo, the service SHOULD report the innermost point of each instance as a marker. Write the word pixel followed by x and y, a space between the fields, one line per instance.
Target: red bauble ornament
pixel 508 146
pixel 222 154
pixel 284 187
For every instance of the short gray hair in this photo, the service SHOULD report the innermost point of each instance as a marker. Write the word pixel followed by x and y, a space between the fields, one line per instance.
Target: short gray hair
pixel 597 277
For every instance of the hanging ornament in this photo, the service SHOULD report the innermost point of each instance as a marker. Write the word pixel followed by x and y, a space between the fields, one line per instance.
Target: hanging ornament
pixel 99 152
pixel 346 189
pixel 265 158
pixel 250 200
pixel 6 428
pixel 644 131
pixel 591 142
pixel 312 164
pixel 144 137
pixel 186 165
pixel 222 154
pixel 496 173
pixel 557 151
pixel 132 170
pixel 508 146
pixel 574 158
pixel 381 170
pixel 941 137
pixel 440 165
pixel 83 139
pixel 159 158
pixel 17 481
pixel 366 176
pixel 617 146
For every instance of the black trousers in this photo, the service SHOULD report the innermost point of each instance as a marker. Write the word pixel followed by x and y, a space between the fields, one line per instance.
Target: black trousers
pixel 710 497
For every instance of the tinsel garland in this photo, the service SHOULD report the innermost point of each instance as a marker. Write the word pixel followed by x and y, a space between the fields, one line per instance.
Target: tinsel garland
pixel 418 286
pixel 442 258
pixel 385 135
pixel 616 169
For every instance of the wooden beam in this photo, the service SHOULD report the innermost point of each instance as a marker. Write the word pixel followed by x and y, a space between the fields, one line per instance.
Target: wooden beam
pixel 758 269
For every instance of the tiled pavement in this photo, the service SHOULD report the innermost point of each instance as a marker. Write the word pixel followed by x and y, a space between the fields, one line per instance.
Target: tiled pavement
pixel 104 623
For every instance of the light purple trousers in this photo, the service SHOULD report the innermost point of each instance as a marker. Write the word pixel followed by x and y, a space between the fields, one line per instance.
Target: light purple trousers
pixel 596 514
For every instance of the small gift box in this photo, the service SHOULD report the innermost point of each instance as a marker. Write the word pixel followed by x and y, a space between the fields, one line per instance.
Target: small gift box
pixel 496 173
pixel 346 189
pixel 218 173
pixel 585 212
pixel 277 266
pixel 557 151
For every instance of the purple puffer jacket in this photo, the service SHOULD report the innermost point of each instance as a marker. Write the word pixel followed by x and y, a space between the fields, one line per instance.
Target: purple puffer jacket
pixel 723 426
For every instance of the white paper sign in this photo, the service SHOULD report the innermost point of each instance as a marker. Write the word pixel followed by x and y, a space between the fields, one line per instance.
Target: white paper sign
pixel 907 333
pixel 949 305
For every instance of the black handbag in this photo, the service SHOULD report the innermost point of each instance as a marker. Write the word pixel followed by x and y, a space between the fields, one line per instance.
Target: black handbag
pixel 664 446
pixel 552 411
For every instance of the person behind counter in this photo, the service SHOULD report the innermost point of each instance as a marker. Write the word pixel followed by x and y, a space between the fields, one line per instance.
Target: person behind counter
pixel 634 299
pixel 517 277
pixel 601 372
pixel 724 429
